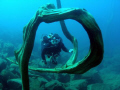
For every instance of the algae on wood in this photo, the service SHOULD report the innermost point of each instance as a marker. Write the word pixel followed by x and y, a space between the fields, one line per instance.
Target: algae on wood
pixel 49 14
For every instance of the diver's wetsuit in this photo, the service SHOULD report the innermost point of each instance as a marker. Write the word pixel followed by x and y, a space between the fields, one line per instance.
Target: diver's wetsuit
pixel 49 49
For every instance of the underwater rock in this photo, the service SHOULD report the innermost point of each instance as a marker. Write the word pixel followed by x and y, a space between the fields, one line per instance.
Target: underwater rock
pixel 64 78
pixel 75 76
pixel 6 74
pixel 99 86
pixel 47 76
pixel 14 66
pixel 76 85
pixel 54 85
pixel 42 81
pixel 9 49
pixel 92 76
pixel 1 86
pixel 3 64
pixel 110 61
pixel 35 84
pixel 14 69
pixel 112 80
pixel 15 84
pixel 109 66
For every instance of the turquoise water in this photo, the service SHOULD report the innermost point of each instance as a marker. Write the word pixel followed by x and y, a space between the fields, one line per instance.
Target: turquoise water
pixel 15 14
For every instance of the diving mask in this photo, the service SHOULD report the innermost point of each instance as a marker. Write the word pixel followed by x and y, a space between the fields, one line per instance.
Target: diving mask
pixel 55 41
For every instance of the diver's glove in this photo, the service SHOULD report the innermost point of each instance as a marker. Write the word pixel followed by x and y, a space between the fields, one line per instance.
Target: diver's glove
pixel 71 50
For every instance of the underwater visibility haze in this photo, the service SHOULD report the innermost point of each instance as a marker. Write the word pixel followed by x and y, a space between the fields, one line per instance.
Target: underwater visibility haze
pixel 16 14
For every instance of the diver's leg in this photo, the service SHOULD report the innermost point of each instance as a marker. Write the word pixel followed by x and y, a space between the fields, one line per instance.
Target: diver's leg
pixel 54 57
pixel 54 61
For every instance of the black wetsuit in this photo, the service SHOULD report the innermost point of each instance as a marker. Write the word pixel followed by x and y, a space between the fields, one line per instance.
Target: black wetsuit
pixel 49 49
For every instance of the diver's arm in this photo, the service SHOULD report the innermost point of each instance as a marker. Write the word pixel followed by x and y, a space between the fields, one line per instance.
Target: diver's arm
pixel 64 48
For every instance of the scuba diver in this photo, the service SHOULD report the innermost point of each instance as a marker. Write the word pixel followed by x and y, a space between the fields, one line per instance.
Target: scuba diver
pixel 51 46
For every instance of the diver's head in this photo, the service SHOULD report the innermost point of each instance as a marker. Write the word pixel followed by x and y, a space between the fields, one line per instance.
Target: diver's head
pixel 55 41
